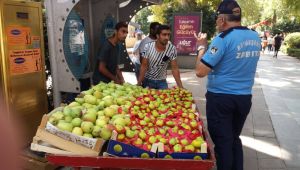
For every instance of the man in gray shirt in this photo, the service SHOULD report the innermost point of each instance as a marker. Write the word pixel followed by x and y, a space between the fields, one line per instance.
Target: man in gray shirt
pixel 141 48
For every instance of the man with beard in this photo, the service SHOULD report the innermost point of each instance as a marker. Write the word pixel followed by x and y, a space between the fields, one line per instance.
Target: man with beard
pixel 107 68
pixel 157 56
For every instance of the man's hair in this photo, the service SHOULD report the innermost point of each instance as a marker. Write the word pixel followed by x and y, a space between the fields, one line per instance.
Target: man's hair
pixel 162 27
pixel 153 25
pixel 120 25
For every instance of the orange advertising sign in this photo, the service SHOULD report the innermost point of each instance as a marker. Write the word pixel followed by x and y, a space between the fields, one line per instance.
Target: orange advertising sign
pixel 18 35
pixel 25 61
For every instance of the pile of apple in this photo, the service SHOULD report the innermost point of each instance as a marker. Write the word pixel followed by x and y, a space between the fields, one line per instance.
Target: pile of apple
pixel 164 116
pixel 94 113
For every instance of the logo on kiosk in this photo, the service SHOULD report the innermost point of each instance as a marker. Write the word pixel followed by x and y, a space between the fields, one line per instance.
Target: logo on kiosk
pixel 15 32
pixel 19 60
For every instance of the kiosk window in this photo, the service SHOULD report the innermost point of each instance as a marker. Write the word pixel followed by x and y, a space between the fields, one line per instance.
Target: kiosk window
pixel 22 15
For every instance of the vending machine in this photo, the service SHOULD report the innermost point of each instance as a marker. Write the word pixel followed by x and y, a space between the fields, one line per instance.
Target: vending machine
pixel 22 68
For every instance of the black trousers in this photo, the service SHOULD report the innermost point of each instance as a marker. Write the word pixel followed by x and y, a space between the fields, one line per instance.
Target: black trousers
pixel 226 115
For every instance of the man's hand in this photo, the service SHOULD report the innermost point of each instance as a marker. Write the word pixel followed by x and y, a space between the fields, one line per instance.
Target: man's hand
pixel 201 39
pixel 118 81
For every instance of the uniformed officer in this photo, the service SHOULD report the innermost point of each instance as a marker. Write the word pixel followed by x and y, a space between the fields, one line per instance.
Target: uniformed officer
pixel 230 63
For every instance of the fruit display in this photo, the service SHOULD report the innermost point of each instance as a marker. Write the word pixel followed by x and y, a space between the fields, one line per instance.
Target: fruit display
pixel 164 116
pixel 140 116
pixel 97 111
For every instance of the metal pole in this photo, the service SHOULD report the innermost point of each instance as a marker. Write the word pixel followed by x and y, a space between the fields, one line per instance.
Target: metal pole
pixel 52 54
pixel 201 15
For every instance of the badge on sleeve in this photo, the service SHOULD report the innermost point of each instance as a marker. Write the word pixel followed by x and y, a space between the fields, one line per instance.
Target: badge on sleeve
pixel 213 50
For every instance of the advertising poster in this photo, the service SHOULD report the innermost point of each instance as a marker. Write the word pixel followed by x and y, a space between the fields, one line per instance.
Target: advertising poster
pixel 183 35
pixel 25 61
pixel 18 35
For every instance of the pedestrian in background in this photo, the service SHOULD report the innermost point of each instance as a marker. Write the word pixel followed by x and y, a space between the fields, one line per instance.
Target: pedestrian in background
pixel 270 43
pixel 230 63
pixel 136 54
pixel 277 43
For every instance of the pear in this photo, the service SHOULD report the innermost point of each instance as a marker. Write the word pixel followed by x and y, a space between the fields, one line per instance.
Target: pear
pixel 96 131
pixel 105 133
pixel 78 131
pixel 65 126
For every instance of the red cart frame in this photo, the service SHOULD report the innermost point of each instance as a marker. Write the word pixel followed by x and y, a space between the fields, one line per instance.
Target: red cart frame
pixel 130 163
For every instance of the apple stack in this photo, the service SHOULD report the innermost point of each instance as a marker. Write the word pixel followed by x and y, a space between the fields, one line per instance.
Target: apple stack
pixel 97 109
pixel 164 116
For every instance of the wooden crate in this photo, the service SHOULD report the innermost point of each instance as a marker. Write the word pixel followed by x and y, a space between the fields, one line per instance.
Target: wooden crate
pixel 45 141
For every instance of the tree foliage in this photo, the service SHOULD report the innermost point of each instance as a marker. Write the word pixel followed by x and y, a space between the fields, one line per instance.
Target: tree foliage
pixel 142 18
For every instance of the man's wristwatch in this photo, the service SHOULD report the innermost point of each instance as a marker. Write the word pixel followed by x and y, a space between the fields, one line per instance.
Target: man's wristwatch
pixel 201 47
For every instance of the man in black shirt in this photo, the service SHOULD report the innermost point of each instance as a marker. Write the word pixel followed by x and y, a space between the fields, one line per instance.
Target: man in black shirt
pixel 277 43
pixel 107 68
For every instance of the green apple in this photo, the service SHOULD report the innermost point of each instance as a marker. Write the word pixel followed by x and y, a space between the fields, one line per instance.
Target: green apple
pixel 118 148
pixel 143 123
pixel 138 142
pixel 184 142
pixel 180 132
pixel 119 121
pixel 77 131
pixel 145 155
pixel 76 122
pixel 189 148
pixel 162 131
pixel 159 122
pixel 129 133
pixel 163 140
pixel 152 139
pixel 87 127
pixel 168 157
pixel 65 126
pixel 173 141
pixel 177 148
pixel 196 143
pixel 197 157
pixel 142 134
pixel 121 137
pixel 170 123
pixel 120 128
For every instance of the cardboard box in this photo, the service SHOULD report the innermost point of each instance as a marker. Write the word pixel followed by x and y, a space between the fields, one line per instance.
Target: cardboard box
pixel 50 139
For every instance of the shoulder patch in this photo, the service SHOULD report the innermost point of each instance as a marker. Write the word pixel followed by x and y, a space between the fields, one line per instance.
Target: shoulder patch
pixel 213 50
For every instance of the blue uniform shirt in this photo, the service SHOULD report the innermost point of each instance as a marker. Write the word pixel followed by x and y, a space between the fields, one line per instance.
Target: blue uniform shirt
pixel 233 57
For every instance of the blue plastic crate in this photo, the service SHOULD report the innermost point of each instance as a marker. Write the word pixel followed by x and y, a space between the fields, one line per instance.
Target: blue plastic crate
pixel 183 155
pixel 127 150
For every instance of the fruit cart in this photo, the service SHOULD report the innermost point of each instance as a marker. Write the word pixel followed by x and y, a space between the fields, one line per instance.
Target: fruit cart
pixel 131 163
